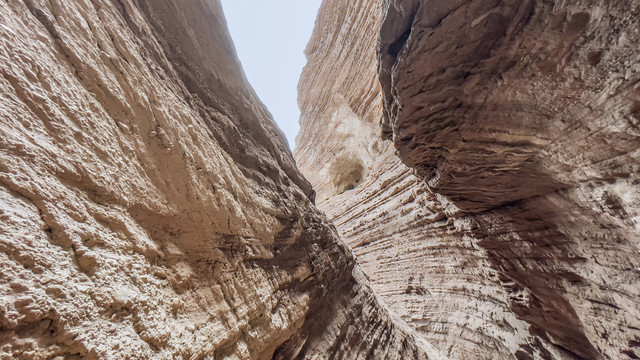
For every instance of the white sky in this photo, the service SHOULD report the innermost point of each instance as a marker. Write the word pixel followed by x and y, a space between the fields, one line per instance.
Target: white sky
pixel 270 37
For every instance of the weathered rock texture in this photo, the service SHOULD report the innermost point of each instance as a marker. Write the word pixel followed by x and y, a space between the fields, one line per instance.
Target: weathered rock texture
pixel 514 232
pixel 149 206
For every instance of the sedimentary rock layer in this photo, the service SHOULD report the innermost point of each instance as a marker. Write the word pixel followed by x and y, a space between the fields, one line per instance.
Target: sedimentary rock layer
pixel 149 205
pixel 514 232
pixel 527 116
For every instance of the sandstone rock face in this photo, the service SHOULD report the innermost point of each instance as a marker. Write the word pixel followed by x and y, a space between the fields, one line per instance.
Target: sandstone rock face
pixel 513 230
pixel 149 205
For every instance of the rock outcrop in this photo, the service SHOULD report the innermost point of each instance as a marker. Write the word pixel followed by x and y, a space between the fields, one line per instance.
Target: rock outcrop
pixel 149 206
pixel 511 227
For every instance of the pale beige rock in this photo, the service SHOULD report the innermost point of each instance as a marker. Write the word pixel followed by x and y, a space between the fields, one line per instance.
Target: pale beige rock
pixel 149 206
pixel 519 235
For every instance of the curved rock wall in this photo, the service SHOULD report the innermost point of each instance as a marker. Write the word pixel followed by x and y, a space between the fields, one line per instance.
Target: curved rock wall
pixel 149 205
pixel 514 231
pixel 528 119
pixel 416 248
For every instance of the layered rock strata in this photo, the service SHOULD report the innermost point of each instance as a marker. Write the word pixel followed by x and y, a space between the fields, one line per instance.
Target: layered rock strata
pixel 149 205
pixel 513 230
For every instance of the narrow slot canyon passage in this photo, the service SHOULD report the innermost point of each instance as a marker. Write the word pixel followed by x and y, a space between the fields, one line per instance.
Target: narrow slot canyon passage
pixel 464 184
pixel 270 39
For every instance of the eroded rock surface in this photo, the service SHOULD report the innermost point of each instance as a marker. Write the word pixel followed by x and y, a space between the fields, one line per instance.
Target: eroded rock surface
pixel 514 230
pixel 149 206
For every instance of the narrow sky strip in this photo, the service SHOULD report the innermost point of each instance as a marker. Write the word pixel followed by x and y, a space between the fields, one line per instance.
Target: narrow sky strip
pixel 270 37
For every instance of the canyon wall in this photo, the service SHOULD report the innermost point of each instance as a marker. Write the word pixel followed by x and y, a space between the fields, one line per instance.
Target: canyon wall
pixel 149 206
pixel 502 219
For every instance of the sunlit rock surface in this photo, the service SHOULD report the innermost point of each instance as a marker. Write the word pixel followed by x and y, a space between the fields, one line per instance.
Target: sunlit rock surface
pixel 149 206
pixel 513 230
